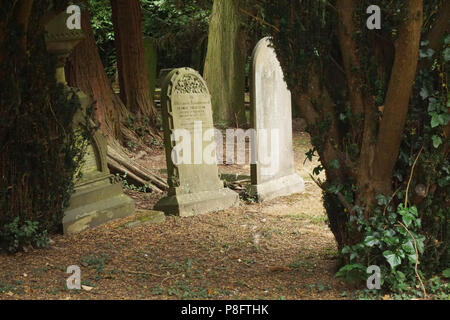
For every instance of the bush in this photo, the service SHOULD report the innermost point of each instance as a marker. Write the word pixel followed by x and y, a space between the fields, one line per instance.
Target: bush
pixel 40 151
pixel 15 236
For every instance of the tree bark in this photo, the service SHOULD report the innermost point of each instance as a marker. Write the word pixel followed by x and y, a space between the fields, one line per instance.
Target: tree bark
pixel 225 63
pixel 134 85
pixel 397 98
pixel 84 70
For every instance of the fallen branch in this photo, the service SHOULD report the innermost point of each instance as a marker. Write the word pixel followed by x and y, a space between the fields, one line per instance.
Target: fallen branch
pixel 117 167
pixel 124 164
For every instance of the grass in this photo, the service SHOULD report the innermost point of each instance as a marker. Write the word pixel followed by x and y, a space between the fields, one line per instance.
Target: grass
pixel 318 220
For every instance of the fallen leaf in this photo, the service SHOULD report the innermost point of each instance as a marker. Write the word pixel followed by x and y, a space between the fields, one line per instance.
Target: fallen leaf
pixel 86 288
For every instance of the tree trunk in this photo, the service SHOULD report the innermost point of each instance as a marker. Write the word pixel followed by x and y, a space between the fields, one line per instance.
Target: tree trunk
pixel 397 99
pixel 134 85
pixel 84 70
pixel 225 63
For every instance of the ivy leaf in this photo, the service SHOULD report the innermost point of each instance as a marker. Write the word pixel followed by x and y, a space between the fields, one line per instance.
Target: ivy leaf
pixel 412 258
pixel 382 200
pixel 392 259
pixel 433 104
pixel 391 241
pixel 413 211
pixel 446 55
pixel 420 244
pixel 371 241
pixel 437 141
pixel 409 247
pixel 435 122
pixel 446 273
pixel 424 93
pixel 407 219
pixel 447 39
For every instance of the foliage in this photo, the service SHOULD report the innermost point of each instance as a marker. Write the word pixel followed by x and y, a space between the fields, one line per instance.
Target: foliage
pixel 102 25
pixel 391 241
pixel 179 29
pixel 40 151
pixel 313 53
pixel 16 235
pixel 130 186
pixel 386 242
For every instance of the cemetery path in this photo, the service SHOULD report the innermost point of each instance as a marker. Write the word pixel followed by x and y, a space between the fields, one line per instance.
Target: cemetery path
pixel 280 249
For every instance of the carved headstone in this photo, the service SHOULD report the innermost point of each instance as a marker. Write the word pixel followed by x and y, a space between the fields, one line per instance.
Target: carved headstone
pixel 194 182
pixel 98 195
pixel 273 174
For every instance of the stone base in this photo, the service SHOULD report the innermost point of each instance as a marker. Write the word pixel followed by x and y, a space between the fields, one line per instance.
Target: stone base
pixel 144 217
pixel 94 204
pixel 186 205
pixel 283 186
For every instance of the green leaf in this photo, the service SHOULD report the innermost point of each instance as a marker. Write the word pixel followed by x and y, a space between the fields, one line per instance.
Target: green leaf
pixel 409 247
pixel 420 244
pixel 446 273
pixel 391 241
pixel 392 259
pixel 412 258
pixel 371 241
pixel 343 272
pixel 414 211
pixel 435 122
pixel 437 141
pixel 407 219
pixel 446 54
pixel 424 93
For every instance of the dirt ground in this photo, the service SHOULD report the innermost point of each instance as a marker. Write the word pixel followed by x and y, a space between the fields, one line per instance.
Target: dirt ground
pixel 281 249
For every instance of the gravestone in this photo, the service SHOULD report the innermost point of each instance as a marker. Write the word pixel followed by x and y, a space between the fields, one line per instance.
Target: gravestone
pixel 194 184
pixel 98 195
pixel 273 174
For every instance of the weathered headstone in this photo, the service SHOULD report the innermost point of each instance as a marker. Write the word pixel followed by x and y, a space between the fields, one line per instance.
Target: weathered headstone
pixel 273 174
pixel 194 183
pixel 98 195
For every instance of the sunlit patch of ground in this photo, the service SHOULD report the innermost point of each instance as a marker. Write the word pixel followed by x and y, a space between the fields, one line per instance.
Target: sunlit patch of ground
pixel 281 249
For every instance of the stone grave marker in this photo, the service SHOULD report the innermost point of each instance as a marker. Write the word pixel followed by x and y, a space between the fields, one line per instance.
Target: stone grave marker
pixel 98 195
pixel 273 175
pixel 194 184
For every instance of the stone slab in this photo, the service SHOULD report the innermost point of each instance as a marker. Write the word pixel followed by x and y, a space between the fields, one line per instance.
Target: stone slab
pixel 279 187
pixel 273 174
pixel 144 217
pixel 186 205
pixel 97 213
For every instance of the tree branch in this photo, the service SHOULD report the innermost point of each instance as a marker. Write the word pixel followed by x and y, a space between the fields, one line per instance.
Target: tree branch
pixel 397 98
pixel 346 29
pixel 440 26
